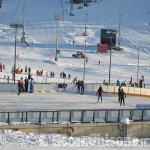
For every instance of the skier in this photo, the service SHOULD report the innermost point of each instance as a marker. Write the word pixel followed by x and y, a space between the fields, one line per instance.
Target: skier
pixel 99 93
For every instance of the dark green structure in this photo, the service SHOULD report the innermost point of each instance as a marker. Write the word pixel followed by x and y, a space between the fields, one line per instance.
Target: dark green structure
pixel 0 3
pixel 106 38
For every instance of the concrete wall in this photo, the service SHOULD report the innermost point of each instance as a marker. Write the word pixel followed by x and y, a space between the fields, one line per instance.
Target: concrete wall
pixel 135 129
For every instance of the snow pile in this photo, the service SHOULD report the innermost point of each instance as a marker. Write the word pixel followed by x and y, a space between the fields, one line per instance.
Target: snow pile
pixel 125 120
pixel 18 140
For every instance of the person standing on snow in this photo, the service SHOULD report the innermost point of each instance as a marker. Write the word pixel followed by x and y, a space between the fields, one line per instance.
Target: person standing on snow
pixel 99 93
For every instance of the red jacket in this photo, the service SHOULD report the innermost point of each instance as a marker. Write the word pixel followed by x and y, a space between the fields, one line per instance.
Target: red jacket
pixel 100 91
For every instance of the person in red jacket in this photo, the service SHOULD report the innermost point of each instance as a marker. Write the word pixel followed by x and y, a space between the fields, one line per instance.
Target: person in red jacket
pixel 99 93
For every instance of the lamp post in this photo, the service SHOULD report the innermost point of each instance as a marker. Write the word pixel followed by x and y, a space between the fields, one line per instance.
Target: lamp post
pixel 15 26
pixel 138 66
pixel 84 63
pixel 23 33
pixel 120 15
pixel 85 23
pixel 57 17
pixel 110 32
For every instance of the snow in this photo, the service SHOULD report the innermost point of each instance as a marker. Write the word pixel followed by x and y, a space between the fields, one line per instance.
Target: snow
pixel 18 140
pixel 40 27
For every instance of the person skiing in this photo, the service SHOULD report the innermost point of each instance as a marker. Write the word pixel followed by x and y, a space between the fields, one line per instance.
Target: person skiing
pixel 123 96
pixel 119 94
pixel 99 93
pixel 26 84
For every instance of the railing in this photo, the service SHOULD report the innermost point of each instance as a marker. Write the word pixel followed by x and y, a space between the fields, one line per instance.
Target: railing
pixel 73 116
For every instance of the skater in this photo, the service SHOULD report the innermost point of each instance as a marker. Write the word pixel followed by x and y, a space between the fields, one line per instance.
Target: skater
pixel 31 85
pixel 99 93
pixel 19 87
pixel 123 96
pixel 26 84
pixel 82 87
pixel 78 84
pixel 119 94
pixel 99 62
pixel 21 84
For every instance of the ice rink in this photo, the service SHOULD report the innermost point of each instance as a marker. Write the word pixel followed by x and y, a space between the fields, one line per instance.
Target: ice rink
pixel 59 101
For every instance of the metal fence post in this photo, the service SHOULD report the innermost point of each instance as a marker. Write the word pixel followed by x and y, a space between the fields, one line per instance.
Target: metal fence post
pixel 82 116
pixel 40 118
pixel 8 121
pixel 131 114
pixel 142 115
pixel 57 116
pixel 94 116
pixel 22 117
pixel 70 119
pixel 53 117
pixel 26 116
pixel 119 116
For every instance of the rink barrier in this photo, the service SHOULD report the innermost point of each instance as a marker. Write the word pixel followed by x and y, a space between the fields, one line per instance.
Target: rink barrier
pixel 75 116
pixel 90 88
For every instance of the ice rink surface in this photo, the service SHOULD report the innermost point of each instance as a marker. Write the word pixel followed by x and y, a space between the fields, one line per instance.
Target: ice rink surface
pixel 59 101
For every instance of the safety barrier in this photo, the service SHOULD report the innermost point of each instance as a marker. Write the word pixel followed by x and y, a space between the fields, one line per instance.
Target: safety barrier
pixel 75 116
pixel 90 88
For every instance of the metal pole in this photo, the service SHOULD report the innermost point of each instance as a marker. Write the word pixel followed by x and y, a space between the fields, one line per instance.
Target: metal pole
pixel 119 27
pixel 110 57
pixel 15 56
pixel 86 22
pixel 138 66
pixel 84 63
pixel 57 42
pixel 23 33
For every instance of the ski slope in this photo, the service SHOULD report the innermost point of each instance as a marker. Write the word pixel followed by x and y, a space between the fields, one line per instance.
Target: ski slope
pixel 41 28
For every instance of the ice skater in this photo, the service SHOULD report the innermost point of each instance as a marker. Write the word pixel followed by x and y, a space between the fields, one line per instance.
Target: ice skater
pixel 99 93
pixel 123 96
pixel 31 85
pixel 119 94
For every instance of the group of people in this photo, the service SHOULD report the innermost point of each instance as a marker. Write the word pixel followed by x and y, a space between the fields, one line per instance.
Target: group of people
pixel 80 87
pixel 24 87
pixel 39 73
pixel 121 95
pixel 2 67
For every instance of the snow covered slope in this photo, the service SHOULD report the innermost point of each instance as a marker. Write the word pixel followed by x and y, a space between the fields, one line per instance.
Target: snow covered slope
pixel 41 29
